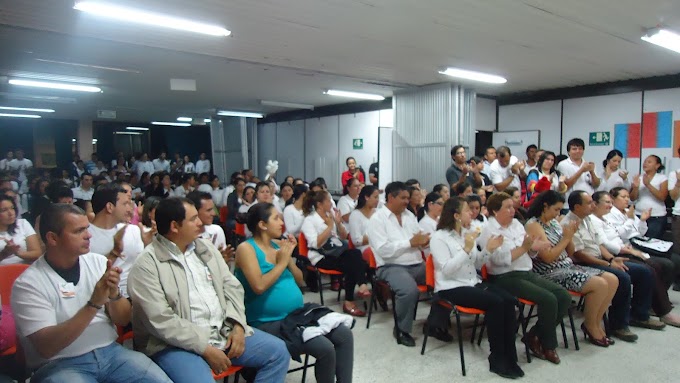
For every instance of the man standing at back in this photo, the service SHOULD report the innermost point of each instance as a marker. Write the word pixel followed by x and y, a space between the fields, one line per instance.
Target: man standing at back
pixel 189 314
pixel 507 170
pixel 203 164
pixel 396 239
pixel 161 164
pixel 20 164
pixel 459 171
pixel 65 306
pixel 85 190
pixel 579 174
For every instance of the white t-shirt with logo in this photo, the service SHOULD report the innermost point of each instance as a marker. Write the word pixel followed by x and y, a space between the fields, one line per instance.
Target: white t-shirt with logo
pixel 497 173
pixel 21 166
pixel 41 298
pixel 214 234
pixel 647 200
pixel 102 243
pixel 23 231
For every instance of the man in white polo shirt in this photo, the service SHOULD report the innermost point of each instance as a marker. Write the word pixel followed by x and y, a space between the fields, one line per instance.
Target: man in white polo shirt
pixel 85 190
pixel 579 174
pixel 214 233
pixel 65 305
pixel 507 170
pixel 161 164
pixel 111 234
pixel 396 239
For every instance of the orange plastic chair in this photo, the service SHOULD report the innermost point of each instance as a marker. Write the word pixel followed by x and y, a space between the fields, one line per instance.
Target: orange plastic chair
pixel 456 309
pixel 224 212
pixel 240 229
pixel 122 335
pixel 350 244
pixel 9 274
pixel 233 370
pixel 375 282
pixel 303 250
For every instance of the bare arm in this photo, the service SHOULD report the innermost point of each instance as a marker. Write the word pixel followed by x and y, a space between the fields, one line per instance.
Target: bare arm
pixel 550 254
pixel 246 260
pixel 504 184
pixel 33 249
pixel 50 340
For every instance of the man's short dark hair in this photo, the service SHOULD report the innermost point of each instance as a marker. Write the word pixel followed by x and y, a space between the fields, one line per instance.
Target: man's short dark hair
pixel 532 146
pixel 487 149
pixel 575 142
pixel 82 176
pixel 245 171
pixel 52 218
pixel 197 197
pixel 104 195
pixel 187 177
pixel 576 198
pixel 503 151
pixel 168 210
pixel 455 149
pixel 393 189
pixel 411 182
pixel 60 191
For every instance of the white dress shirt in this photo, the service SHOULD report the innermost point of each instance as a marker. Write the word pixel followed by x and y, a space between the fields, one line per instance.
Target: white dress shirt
pixel 587 236
pixel 358 227
pixel 568 168
pixel 161 165
pixel 453 267
pixel 80 194
pixel 202 166
pixel 614 181
pixel 144 166
pixel 497 173
pixel 626 227
pixel 390 241
pixel 612 242
pixel 312 226
pixel 293 218
pixel 346 204
pixel 500 261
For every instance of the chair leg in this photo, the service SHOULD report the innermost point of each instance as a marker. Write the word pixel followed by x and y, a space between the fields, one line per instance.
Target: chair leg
pixel 481 331
pixel 341 285
pixel 318 278
pixel 564 334
pixel 605 318
pixel 370 307
pixel 460 341
pixel 573 328
pixel 304 368
pixel 415 310
pixel 422 349
pixel 523 324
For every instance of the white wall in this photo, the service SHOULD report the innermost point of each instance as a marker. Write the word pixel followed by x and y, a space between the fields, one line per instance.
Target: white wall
pixel 542 116
pixel 486 114
pixel 318 147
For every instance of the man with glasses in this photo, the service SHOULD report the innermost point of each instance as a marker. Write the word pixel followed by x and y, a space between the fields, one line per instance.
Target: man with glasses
pixel 459 171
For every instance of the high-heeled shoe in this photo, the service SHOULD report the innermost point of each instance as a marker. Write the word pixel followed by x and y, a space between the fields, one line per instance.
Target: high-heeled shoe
pixel 589 337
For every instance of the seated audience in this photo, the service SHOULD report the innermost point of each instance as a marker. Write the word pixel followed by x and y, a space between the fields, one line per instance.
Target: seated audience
pixel 520 212
pixel 428 216
pixel 85 190
pixel 360 217
pixel 348 202
pixel 293 215
pixel 271 278
pixel 285 194
pixel 627 308
pixel 443 191
pixel 649 190
pixel 396 240
pixel 478 219
pixel 555 264
pixel 510 265
pixel 189 314
pixel 663 268
pixel 456 256
pixel 149 213
pixel 18 241
pixel 248 199
pixel 187 186
pixel 322 225
pixel 66 304
pixel 214 233
pixel 415 200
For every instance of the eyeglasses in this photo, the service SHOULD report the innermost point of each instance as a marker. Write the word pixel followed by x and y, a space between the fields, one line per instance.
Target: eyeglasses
pixel 438 203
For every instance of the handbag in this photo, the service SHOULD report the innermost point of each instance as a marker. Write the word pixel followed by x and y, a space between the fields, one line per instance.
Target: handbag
pixel 333 248
pixel 652 246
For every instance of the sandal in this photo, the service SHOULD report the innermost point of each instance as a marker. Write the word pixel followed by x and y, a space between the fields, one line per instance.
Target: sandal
pixel 363 294
pixel 354 311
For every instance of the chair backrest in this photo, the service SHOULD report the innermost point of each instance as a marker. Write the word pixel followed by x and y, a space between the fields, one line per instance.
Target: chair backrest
pixel 429 272
pixel 302 245
pixel 240 229
pixel 224 212
pixel 369 257
pixel 485 273
pixel 8 274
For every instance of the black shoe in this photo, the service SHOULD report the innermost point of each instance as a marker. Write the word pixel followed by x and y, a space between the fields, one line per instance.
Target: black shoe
pixel 404 338
pixel 514 367
pixel 438 333
pixel 503 371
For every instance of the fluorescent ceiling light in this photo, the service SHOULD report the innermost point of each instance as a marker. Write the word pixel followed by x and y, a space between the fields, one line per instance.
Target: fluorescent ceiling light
pixel 130 133
pixel 27 109
pixel 94 140
pixel 73 140
pixel 136 128
pixel 142 17
pixel 19 115
pixel 239 114
pixel 115 69
pixel 33 97
pixel 663 38
pixel 206 120
pixel 184 119
pixel 41 76
pixel 363 96
pixel 287 104
pixel 55 85
pixel 474 76
pixel 170 123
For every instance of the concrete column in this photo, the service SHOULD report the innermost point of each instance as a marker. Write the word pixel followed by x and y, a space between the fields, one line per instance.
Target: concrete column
pixel 84 139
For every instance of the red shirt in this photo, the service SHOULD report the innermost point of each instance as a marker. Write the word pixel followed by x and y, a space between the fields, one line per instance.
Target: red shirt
pixel 346 176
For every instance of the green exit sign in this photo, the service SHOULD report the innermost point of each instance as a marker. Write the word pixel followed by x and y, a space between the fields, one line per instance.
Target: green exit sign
pixel 358 143
pixel 599 138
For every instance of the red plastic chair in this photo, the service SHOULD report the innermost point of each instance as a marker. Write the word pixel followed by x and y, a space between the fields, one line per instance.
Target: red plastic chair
pixel 123 335
pixel 9 274
pixel 456 309
pixel 233 370
pixel 224 212
pixel 240 229
pixel 303 250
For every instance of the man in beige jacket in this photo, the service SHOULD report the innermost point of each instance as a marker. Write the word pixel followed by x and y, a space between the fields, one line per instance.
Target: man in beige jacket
pixel 188 310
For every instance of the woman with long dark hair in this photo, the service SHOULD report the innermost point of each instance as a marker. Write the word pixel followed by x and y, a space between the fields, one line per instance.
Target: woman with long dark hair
pixel 649 191
pixel 612 174
pixel 545 168
pixel 358 219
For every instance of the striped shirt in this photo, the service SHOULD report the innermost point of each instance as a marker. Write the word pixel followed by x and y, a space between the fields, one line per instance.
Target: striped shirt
pixel 554 233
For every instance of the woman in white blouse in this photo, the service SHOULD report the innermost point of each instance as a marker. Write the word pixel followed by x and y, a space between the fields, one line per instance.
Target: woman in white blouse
pixel 478 219
pixel 322 224
pixel 292 214
pixel 663 267
pixel 358 219
pixel 188 165
pixel 428 215
pixel 612 175
pixel 18 241
pixel 456 257
pixel 285 194
pixel 348 202
pixel 650 190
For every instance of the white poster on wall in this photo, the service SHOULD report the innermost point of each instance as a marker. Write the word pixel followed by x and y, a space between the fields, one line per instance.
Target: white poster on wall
pixel 517 141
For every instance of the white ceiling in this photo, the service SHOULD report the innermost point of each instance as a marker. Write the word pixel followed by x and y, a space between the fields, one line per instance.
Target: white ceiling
pixel 292 50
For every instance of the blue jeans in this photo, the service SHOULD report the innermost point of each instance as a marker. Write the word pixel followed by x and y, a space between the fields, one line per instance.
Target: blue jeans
pixel 111 364
pixel 623 306
pixel 267 353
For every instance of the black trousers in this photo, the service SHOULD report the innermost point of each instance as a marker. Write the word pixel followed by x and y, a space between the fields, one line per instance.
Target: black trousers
pixel 501 320
pixel 352 265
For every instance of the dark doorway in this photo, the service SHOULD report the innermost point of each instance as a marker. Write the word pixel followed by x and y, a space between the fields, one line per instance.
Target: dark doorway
pixel 483 139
